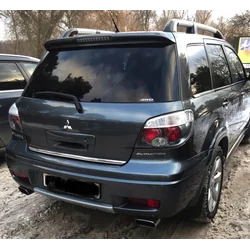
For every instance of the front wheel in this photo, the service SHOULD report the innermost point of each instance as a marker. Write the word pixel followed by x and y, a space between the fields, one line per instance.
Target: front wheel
pixel 208 203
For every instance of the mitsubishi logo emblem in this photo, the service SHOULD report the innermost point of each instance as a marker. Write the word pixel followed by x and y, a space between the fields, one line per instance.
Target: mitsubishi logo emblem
pixel 67 126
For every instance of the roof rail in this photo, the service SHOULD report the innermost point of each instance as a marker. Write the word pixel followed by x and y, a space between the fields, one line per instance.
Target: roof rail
pixel 81 32
pixel 192 27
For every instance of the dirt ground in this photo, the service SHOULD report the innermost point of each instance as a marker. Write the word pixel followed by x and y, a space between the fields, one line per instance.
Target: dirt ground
pixel 37 216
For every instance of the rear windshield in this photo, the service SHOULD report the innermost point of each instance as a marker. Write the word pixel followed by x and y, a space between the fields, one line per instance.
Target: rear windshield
pixel 130 74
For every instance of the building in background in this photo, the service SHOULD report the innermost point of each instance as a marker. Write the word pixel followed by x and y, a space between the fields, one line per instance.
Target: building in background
pixel 243 50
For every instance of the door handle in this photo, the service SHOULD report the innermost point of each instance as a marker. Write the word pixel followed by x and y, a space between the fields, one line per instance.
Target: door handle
pixel 225 103
pixel 243 93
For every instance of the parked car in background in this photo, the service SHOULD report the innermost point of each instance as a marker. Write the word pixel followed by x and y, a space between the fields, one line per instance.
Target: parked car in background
pixel 15 71
pixel 140 123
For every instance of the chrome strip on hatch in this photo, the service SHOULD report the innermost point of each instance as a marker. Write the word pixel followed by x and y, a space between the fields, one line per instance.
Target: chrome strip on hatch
pixel 11 90
pixel 77 157
pixel 84 202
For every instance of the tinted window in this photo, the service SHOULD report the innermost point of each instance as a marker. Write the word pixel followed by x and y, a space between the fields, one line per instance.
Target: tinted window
pixel 30 67
pixel 11 77
pixel 199 71
pixel 107 74
pixel 236 67
pixel 220 70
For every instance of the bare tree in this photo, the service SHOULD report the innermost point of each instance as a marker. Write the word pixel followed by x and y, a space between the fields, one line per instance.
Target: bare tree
pixel 239 25
pixel 144 19
pixel 222 25
pixel 33 26
pixel 203 16
pixel 71 18
pixel 168 15
pixel 29 29
pixel 126 20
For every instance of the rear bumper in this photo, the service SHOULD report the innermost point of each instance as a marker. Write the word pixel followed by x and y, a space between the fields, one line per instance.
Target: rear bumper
pixel 174 184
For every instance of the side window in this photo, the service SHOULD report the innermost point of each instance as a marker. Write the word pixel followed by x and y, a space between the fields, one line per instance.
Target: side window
pixel 199 70
pixel 11 77
pixel 235 65
pixel 30 67
pixel 220 70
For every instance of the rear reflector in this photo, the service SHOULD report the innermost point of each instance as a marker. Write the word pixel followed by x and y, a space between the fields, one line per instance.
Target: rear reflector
pixel 153 203
pixel 144 202
pixel 19 175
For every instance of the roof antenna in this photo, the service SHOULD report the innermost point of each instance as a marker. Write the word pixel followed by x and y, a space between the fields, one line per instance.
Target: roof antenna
pixel 116 28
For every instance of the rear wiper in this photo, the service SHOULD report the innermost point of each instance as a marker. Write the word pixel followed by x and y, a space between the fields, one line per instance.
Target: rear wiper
pixel 62 96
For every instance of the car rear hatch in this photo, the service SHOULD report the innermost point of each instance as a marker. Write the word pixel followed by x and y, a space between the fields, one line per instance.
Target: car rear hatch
pixel 90 100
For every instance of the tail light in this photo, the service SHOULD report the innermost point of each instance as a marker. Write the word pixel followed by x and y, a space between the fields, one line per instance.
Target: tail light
pixel 167 130
pixel 14 119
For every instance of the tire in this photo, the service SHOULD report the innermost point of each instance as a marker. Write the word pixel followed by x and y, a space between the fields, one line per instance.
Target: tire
pixel 2 156
pixel 208 202
pixel 246 137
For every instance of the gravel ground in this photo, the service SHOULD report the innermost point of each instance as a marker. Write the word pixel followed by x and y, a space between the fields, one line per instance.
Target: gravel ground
pixel 37 216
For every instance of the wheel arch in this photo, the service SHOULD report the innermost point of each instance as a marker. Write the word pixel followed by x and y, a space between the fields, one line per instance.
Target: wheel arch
pixel 220 140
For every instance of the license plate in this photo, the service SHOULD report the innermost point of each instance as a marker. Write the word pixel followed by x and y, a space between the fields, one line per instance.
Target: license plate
pixel 72 186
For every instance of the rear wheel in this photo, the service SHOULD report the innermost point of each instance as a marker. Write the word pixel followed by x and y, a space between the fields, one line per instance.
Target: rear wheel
pixel 208 203
pixel 246 139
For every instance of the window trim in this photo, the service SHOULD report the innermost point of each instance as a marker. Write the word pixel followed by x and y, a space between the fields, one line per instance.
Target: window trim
pixel 20 70
pixel 24 68
pixel 233 83
pixel 210 65
pixel 187 59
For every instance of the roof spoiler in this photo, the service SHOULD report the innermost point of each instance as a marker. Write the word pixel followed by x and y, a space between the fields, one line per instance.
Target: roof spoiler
pixel 192 27
pixel 93 39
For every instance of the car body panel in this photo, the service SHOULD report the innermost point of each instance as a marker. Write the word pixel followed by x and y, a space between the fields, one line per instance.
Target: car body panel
pixel 8 97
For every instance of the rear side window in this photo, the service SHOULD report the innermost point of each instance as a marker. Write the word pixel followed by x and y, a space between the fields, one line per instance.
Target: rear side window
pixel 30 67
pixel 220 70
pixel 10 77
pixel 120 74
pixel 236 67
pixel 199 70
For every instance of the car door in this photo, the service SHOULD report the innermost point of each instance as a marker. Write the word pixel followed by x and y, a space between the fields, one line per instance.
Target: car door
pixel 222 84
pixel 12 83
pixel 205 102
pixel 240 88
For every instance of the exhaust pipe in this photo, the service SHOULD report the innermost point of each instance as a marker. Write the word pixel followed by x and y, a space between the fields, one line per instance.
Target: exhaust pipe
pixel 150 223
pixel 25 190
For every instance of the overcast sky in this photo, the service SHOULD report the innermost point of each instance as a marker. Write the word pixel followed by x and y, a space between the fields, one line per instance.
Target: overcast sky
pixel 216 14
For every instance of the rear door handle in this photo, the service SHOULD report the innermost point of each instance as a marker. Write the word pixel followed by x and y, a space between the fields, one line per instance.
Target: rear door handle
pixel 225 103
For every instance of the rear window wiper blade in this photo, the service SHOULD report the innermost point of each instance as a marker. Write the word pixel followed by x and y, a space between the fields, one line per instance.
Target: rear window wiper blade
pixel 62 96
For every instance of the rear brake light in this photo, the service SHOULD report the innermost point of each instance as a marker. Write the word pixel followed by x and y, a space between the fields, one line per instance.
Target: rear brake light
pixel 150 134
pixel 173 133
pixel 14 119
pixel 167 130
